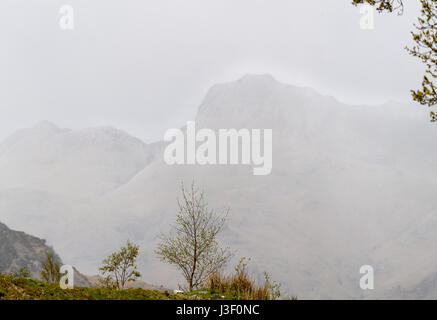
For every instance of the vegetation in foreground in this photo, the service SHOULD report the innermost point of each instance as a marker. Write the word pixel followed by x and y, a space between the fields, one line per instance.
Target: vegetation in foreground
pixel 192 247
pixel 242 286
pixel 28 289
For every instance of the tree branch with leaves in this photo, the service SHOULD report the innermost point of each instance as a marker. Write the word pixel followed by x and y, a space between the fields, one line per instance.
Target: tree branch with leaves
pixel 425 37
pixel 383 5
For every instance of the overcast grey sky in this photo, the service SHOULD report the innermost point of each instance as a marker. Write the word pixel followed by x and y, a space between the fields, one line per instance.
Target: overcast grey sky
pixel 145 65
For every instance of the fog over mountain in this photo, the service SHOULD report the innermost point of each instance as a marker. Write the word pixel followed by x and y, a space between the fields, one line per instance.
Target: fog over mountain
pixel 350 186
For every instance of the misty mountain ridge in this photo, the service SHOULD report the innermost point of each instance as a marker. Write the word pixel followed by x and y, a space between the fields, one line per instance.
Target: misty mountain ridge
pixel 63 159
pixel 350 185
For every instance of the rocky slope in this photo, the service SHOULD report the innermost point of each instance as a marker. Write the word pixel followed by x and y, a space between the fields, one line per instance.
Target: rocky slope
pixel 19 250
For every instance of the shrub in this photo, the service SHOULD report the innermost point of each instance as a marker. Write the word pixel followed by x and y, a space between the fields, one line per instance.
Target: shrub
pixel 240 285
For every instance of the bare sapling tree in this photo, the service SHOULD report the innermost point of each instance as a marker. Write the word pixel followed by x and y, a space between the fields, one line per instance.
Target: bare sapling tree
pixel 192 245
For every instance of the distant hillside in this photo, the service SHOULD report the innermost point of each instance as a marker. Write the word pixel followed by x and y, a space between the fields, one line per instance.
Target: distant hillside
pixel 19 250
pixel 45 157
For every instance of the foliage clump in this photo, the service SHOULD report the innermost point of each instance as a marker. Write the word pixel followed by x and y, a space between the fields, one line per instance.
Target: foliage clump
pixel 241 286
pixel 120 267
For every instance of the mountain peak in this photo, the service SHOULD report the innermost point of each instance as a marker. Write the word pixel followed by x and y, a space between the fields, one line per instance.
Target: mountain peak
pixel 46 125
pixel 258 79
